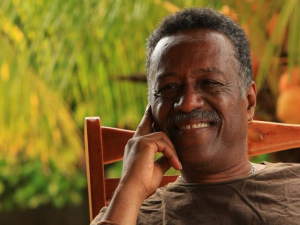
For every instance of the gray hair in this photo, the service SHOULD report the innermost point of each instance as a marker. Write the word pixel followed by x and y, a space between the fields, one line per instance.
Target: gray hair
pixel 205 18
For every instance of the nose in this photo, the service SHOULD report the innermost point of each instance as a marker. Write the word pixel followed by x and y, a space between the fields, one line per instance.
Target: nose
pixel 190 100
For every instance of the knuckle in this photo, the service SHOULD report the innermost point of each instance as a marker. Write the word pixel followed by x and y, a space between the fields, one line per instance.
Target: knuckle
pixel 130 143
pixel 129 146
pixel 145 144
pixel 139 127
pixel 161 133
pixel 137 142
pixel 141 143
pixel 164 135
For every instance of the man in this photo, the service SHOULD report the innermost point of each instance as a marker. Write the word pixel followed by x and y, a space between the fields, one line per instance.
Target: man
pixel 201 100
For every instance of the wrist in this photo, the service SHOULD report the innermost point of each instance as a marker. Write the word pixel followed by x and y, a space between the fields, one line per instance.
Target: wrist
pixel 131 191
pixel 125 205
pixel 106 222
pixel 141 191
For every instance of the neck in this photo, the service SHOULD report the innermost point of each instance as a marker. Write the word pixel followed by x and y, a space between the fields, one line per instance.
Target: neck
pixel 241 169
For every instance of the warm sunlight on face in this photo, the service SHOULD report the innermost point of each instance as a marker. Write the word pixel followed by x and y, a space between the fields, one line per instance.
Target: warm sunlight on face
pixel 196 98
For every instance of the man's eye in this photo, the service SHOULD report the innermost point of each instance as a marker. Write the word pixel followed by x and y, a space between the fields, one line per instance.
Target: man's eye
pixel 210 83
pixel 167 91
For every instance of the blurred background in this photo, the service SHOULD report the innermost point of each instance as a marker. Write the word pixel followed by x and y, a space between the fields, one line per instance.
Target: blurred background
pixel 61 61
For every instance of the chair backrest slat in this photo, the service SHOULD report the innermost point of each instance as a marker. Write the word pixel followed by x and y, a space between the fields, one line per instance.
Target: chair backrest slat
pixel 115 141
pixel 266 137
pixel 105 145
pixel 94 165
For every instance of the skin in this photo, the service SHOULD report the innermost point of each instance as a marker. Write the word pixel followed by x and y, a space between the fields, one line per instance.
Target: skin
pixel 192 71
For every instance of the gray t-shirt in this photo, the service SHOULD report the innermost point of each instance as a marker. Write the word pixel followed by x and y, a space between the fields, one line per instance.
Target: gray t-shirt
pixel 271 196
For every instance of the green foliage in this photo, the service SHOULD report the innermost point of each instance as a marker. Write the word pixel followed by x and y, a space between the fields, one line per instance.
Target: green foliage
pixel 27 184
pixel 260 158
pixel 60 61
pixel 273 30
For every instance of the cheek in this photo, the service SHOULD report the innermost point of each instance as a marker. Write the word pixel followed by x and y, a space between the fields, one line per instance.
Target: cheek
pixel 230 104
pixel 235 114
pixel 160 112
pixel 156 115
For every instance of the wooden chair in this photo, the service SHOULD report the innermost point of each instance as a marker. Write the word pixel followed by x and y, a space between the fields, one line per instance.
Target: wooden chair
pixel 104 145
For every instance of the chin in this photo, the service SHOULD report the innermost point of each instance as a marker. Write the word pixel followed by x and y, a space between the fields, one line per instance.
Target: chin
pixel 196 155
pixel 201 156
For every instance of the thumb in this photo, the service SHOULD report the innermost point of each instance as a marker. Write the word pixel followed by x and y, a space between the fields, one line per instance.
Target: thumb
pixel 145 126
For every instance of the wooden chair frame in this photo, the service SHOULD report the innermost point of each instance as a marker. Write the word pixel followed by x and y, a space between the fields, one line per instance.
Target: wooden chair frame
pixel 102 148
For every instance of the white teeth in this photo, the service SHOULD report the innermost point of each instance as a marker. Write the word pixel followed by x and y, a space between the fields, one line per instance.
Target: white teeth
pixel 193 126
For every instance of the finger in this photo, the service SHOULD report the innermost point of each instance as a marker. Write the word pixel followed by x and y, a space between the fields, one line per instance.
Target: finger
pixel 160 136
pixel 165 146
pixel 169 153
pixel 145 126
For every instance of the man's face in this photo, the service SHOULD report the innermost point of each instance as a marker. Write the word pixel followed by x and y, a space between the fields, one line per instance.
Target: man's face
pixel 197 101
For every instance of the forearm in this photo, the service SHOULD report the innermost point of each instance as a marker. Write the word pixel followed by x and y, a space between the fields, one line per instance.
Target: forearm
pixel 124 206
pixel 141 174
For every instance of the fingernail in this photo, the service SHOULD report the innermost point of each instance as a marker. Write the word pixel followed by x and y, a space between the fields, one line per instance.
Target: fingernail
pixel 147 108
pixel 180 166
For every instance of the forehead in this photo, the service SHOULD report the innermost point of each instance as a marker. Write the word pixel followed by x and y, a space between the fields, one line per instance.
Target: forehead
pixel 186 47
pixel 195 36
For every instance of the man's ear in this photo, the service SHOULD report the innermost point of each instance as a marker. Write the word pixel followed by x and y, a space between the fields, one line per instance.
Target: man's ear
pixel 251 99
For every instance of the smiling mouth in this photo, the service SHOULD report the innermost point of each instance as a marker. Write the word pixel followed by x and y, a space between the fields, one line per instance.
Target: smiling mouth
pixel 193 126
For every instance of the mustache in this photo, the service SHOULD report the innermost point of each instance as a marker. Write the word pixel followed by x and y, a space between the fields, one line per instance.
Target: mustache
pixel 210 115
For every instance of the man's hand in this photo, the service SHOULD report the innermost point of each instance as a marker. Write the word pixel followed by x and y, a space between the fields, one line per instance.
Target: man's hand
pixel 140 170
pixel 141 174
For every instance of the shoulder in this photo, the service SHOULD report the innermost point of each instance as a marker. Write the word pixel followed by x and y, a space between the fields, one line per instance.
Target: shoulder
pixel 279 172
pixel 271 168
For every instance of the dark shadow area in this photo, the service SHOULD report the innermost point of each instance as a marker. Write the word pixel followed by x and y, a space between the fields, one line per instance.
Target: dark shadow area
pixel 48 215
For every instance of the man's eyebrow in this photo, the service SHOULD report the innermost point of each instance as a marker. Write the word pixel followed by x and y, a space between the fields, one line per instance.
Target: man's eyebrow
pixel 208 70
pixel 162 76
